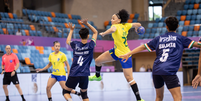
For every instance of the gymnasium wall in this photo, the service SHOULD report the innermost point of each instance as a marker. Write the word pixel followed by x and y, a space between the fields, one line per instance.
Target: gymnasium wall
pixel 97 11
pixel 43 5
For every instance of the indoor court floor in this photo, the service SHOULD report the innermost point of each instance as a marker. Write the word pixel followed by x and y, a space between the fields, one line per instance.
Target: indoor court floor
pixel 188 94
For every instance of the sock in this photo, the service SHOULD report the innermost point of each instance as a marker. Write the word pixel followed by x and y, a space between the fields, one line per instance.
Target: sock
pixel 22 96
pixel 50 99
pixel 77 93
pixel 98 69
pixel 7 97
pixel 136 92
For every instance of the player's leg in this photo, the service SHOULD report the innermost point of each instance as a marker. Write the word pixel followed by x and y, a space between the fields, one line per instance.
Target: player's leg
pixel 71 83
pixel 159 94
pixel 159 86
pixel 63 86
pixel 103 58
pixel 173 85
pixel 51 81
pixel 84 95
pixel 128 73
pixel 83 84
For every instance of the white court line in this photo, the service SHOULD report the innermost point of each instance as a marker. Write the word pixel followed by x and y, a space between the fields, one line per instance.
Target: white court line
pixel 191 92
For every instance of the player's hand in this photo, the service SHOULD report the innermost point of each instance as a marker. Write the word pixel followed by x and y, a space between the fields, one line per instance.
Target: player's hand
pixel 84 21
pixel 13 73
pixel 2 72
pixel 102 34
pixel 71 26
pixel 38 70
pixel 196 81
pixel 124 57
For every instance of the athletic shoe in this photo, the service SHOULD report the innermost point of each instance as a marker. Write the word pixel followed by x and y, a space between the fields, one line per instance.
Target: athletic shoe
pixel 140 100
pixel 94 78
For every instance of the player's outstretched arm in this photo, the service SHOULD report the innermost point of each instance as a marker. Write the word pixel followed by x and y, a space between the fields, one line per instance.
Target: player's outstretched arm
pixel 109 31
pixel 134 51
pixel 46 67
pixel 68 66
pixel 95 32
pixel 70 33
pixel 197 79
pixel 136 25
pixel 196 45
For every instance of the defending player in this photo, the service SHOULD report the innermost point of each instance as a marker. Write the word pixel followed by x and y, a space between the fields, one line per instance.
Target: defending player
pixel 57 60
pixel 10 63
pixel 169 48
pixel 82 57
pixel 119 30
pixel 197 80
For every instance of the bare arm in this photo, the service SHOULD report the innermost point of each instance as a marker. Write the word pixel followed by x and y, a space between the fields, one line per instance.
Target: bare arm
pixel 136 25
pixel 109 31
pixel 68 67
pixel 134 51
pixel 68 40
pixel 196 45
pixel 95 32
pixel 46 67
pixel 17 66
pixel 2 66
pixel 199 64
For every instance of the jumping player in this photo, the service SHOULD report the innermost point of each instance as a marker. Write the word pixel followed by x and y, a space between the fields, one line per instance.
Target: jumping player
pixel 57 60
pixel 169 48
pixel 82 57
pixel 10 64
pixel 119 30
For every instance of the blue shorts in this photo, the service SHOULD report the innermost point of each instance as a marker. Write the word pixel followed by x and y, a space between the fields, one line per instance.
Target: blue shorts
pixel 127 64
pixel 59 78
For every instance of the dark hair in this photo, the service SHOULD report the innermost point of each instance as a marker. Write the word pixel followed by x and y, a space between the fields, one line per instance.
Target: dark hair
pixel 123 14
pixel 84 32
pixel 172 23
pixel 55 42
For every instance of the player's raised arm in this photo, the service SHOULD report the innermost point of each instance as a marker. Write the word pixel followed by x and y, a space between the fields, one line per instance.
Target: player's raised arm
pixel 95 32
pixel 109 31
pixel 136 25
pixel 134 51
pixel 70 33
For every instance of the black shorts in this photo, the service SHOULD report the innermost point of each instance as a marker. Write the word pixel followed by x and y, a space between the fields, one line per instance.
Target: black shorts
pixel 73 81
pixel 8 79
pixel 171 81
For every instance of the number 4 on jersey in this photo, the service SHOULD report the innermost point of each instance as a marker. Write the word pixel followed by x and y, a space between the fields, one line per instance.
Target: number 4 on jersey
pixel 80 61
pixel 164 55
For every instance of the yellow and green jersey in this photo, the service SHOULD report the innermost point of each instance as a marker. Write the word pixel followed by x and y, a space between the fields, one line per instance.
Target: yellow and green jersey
pixel 120 38
pixel 58 66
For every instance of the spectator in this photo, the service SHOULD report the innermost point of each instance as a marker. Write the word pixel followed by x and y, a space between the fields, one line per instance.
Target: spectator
pixel 7 8
pixel 142 68
pixel 149 68
pixel 19 32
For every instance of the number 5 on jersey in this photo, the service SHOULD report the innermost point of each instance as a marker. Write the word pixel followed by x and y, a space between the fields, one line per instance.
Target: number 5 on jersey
pixel 80 60
pixel 164 55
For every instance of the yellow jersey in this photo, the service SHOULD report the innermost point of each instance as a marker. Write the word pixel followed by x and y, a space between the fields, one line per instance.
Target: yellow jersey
pixel 120 38
pixel 58 66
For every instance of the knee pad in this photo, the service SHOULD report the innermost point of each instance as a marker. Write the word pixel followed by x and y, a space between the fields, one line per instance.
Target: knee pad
pixel 84 95
pixel 65 91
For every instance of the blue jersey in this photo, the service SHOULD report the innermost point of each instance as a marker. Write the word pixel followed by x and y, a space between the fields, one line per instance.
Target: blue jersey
pixel 82 57
pixel 169 48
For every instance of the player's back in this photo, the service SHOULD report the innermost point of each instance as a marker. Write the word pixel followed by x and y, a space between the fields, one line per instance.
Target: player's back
pixel 169 48
pixel 82 57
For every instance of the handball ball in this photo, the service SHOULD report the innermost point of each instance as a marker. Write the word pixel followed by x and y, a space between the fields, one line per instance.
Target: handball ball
pixel 140 30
